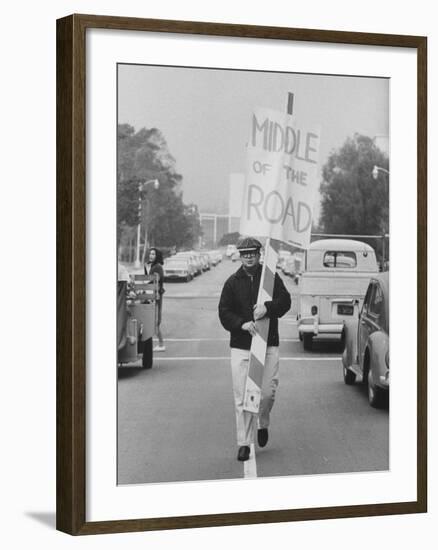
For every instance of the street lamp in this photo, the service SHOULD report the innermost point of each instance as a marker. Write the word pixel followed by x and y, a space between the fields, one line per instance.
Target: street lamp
pixel 141 186
pixel 378 169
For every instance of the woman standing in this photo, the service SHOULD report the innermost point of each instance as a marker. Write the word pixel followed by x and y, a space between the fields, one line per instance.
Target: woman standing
pixel 153 265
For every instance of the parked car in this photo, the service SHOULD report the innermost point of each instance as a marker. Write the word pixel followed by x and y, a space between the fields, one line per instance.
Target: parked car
pixel 293 266
pixel 214 260
pixel 178 268
pixel 206 261
pixel 194 260
pixel 366 353
pixel 231 248
pixel 198 261
pixel 216 256
pixel 283 256
pixel 335 278
pixel 235 256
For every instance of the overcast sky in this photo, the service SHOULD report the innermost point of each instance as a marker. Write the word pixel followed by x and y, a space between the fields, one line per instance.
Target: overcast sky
pixel 205 116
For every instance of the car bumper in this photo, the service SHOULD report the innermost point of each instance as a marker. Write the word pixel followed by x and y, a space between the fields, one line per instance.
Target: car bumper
pixel 170 277
pixel 310 325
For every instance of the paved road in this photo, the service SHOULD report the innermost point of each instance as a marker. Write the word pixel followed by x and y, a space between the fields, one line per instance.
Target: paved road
pixel 176 420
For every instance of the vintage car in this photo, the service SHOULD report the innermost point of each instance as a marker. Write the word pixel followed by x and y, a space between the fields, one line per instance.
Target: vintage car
pixel 216 256
pixel 235 256
pixel 136 318
pixel 293 266
pixel 283 256
pixel 335 278
pixel 206 261
pixel 178 268
pixel 193 260
pixel 366 353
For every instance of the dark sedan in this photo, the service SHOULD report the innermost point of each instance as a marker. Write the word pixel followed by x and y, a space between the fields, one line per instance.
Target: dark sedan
pixel 366 354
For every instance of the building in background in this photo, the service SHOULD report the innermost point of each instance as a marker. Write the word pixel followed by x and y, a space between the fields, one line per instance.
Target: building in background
pixel 235 199
pixel 214 225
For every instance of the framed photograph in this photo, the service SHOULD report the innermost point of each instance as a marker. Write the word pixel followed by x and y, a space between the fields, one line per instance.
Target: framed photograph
pixel 232 205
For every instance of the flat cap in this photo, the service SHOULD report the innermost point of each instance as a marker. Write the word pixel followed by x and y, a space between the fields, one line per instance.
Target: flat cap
pixel 248 243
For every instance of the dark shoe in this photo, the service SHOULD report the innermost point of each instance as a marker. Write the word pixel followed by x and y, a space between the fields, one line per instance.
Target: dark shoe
pixel 243 453
pixel 262 437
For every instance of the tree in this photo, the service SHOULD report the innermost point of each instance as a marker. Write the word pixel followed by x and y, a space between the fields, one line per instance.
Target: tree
pixel 144 156
pixel 194 229
pixel 170 223
pixel 229 238
pixel 352 201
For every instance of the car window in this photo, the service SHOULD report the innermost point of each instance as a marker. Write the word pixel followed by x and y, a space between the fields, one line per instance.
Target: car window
pixel 376 303
pixel 367 299
pixel 340 259
pixel 175 264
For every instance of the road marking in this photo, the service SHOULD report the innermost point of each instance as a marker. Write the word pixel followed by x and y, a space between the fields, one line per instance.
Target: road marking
pixel 222 358
pixel 197 339
pixel 218 339
pixel 250 465
pixel 137 363
pixel 315 358
pixel 192 296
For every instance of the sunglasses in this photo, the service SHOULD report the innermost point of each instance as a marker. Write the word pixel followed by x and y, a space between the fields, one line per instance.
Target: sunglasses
pixel 249 254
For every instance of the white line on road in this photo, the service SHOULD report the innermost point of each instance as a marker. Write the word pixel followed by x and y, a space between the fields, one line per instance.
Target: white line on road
pixel 197 339
pixel 250 465
pixel 222 358
pixel 217 339
pixel 191 296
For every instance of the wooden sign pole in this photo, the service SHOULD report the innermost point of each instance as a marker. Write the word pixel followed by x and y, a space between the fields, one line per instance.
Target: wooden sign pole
pixel 259 343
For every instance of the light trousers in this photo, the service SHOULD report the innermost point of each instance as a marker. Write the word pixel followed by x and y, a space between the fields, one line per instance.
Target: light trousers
pixel 158 320
pixel 246 422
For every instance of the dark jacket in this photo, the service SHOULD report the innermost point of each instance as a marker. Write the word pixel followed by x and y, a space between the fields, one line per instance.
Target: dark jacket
pixel 158 269
pixel 238 297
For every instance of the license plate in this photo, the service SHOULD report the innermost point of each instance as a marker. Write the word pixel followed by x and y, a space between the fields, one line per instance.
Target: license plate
pixel 345 309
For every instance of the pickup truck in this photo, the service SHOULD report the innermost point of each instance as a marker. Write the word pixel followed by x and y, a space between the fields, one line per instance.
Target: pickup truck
pixel 332 287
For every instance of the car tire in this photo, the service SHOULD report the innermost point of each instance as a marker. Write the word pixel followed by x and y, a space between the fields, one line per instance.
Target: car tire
pixel 308 342
pixel 147 359
pixel 349 376
pixel 188 279
pixel 376 396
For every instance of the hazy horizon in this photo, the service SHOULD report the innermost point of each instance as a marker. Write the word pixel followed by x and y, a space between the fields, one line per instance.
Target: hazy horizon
pixel 204 115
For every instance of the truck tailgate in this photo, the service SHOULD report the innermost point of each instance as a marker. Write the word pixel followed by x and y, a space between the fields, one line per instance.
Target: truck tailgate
pixel 331 294
pixel 320 284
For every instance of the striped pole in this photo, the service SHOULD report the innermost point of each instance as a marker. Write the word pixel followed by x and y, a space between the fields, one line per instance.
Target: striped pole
pixel 259 343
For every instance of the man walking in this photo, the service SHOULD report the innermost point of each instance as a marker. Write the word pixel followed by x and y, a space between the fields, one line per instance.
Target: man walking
pixel 238 311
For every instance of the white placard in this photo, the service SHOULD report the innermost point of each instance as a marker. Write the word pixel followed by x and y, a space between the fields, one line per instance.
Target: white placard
pixel 281 178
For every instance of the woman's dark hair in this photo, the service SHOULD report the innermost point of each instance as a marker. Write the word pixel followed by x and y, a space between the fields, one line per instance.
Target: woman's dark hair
pixel 158 255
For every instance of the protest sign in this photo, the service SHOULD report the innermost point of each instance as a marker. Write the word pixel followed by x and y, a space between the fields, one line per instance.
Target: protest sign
pixel 281 178
pixel 281 181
